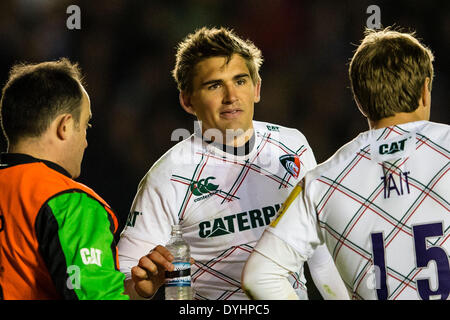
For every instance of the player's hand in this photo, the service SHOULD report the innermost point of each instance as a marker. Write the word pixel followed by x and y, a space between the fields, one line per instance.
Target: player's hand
pixel 149 274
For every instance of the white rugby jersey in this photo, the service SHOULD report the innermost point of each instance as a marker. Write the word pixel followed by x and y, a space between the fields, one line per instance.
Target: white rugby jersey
pixel 223 202
pixel 382 206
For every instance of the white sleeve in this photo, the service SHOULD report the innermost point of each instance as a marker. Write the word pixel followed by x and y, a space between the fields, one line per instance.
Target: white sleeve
pixel 288 242
pixel 149 223
pixel 296 222
pixel 325 275
pixel 297 225
pixel 265 279
pixel 265 274
pixel 131 249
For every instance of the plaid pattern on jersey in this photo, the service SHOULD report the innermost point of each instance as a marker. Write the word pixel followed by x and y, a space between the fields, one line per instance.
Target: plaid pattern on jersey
pixel 215 273
pixel 218 277
pixel 223 202
pixel 245 166
pixel 352 203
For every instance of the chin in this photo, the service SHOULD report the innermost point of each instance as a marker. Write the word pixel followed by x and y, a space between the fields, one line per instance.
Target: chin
pixel 235 125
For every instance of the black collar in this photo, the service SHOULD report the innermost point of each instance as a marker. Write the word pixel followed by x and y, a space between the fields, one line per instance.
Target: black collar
pixel 13 159
pixel 237 151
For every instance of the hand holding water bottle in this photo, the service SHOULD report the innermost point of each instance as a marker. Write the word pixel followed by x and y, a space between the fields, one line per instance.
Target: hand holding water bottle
pixel 150 273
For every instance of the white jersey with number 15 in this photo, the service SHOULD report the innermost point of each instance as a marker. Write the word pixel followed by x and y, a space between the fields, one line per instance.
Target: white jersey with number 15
pixel 382 206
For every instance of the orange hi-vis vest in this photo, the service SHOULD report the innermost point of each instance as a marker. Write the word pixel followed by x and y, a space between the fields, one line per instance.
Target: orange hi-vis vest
pixel 51 225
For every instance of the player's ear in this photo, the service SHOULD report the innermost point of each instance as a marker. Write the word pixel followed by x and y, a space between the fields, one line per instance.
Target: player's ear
pixel 63 125
pixel 258 91
pixel 426 93
pixel 185 101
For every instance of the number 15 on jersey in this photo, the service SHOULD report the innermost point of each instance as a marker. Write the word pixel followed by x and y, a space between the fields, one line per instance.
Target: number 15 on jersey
pixel 424 255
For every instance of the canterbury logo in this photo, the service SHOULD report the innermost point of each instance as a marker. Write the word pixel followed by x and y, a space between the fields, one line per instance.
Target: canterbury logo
pixel 291 162
pixel 203 186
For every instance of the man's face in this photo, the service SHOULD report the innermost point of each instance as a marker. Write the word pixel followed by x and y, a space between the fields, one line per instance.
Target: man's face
pixel 78 140
pixel 223 95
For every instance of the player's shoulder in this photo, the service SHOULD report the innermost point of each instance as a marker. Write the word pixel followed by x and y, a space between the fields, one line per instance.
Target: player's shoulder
pixel 183 154
pixel 341 158
pixel 285 133
pixel 437 132
pixel 361 145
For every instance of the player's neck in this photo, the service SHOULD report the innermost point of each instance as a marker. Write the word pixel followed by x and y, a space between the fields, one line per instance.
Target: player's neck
pixel 242 147
pixel 239 140
pixel 399 118
pixel 231 138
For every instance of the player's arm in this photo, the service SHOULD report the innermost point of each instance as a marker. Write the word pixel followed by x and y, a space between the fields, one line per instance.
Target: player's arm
pixel 265 279
pixel 76 239
pixel 142 257
pixel 325 275
pixel 265 273
pixel 290 240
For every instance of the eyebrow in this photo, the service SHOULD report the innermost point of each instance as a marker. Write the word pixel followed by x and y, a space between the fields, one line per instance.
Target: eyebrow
pixel 238 76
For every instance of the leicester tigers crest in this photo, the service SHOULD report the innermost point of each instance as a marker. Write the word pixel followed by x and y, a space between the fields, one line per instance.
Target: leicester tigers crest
pixel 291 162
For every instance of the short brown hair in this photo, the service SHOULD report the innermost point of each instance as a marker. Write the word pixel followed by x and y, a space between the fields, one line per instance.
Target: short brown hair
pixel 388 71
pixel 212 42
pixel 35 94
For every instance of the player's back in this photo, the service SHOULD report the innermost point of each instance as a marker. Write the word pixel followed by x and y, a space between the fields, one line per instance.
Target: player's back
pixel 383 206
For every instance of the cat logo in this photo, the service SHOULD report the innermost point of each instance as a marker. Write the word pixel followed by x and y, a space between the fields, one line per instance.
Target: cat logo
pixel 91 256
pixel 131 221
pixel 203 186
pixel 394 147
pixel 273 128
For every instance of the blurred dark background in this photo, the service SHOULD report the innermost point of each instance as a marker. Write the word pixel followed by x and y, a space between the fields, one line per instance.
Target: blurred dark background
pixel 126 51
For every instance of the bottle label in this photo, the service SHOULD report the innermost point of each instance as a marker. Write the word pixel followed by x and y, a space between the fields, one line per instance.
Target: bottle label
pixel 180 277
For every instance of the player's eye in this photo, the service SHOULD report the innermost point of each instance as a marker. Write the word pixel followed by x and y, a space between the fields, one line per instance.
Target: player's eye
pixel 214 86
pixel 241 81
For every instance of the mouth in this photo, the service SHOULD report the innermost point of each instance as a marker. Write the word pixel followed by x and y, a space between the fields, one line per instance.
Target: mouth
pixel 231 114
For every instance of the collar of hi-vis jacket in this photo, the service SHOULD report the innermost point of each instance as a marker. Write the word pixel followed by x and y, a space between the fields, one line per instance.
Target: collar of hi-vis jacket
pixel 13 159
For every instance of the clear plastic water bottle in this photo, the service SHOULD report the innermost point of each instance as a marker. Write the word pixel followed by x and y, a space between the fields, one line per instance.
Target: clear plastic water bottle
pixel 178 282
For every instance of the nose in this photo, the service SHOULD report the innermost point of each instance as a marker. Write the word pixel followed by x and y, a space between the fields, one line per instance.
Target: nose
pixel 230 94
